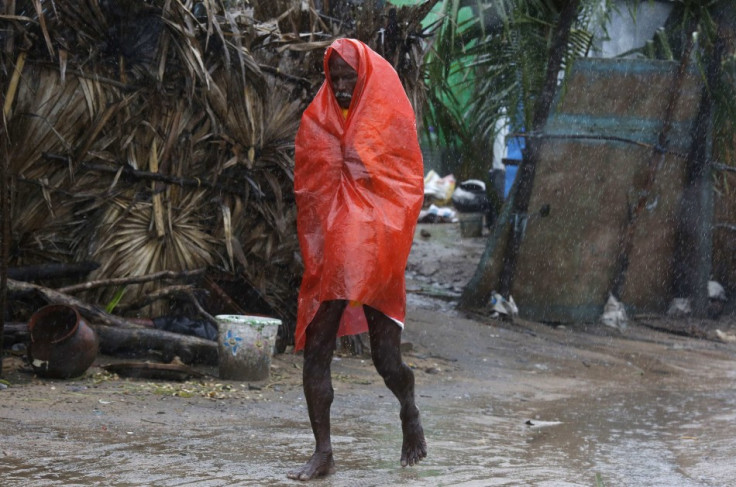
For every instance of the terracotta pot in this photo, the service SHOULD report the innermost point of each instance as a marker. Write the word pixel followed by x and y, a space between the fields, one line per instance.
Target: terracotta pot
pixel 62 344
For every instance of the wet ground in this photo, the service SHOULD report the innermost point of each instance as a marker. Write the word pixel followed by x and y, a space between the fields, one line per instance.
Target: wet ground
pixel 512 404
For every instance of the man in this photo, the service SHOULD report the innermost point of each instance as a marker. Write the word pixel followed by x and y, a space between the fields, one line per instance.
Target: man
pixel 359 186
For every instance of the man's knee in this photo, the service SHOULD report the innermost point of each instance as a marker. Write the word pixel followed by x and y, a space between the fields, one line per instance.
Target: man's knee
pixel 322 330
pixel 388 363
pixel 318 358
pixel 319 384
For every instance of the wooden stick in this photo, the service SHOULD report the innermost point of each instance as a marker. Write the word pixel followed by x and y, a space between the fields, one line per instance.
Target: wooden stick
pixel 201 310
pixel 225 297
pixel 126 172
pixel 9 10
pixel 16 332
pixel 87 310
pixel 51 270
pixel 190 349
pixel 167 292
pixel 162 293
pixel 158 209
pixel 305 83
pixel 117 281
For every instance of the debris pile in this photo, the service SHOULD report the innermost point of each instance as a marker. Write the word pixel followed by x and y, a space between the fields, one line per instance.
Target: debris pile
pixel 153 141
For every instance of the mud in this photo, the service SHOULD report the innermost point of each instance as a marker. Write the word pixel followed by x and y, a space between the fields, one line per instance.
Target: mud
pixel 503 404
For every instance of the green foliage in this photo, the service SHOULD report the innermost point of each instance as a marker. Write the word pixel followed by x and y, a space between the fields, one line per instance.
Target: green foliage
pixel 119 293
pixel 496 58
pixel 697 16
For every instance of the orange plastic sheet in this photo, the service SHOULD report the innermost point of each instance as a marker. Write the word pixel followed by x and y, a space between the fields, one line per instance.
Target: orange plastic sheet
pixel 359 188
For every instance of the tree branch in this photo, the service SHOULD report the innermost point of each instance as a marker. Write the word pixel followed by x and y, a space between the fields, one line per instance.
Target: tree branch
pixel 87 310
pixel 131 280
pixel 162 293
pixel 201 310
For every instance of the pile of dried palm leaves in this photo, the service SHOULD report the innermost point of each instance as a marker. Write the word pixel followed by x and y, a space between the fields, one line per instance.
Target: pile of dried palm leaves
pixel 150 136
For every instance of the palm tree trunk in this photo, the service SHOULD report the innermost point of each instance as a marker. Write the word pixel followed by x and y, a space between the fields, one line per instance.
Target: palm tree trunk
pixel 479 288
pixel 694 238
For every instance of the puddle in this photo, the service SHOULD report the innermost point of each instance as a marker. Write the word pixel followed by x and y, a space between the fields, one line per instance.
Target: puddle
pixel 655 438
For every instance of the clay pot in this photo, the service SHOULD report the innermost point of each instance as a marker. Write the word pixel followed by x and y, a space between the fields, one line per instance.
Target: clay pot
pixel 62 344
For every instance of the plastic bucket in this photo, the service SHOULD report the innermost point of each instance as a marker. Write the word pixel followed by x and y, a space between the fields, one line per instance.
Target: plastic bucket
pixel 471 224
pixel 245 346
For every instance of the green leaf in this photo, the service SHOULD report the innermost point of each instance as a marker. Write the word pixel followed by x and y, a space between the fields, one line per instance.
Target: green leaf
pixel 115 300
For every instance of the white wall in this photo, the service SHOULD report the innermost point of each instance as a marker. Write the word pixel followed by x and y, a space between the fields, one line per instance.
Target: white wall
pixel 625 34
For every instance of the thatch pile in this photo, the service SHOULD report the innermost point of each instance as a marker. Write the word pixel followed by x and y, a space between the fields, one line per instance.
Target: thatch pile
pixel 158 135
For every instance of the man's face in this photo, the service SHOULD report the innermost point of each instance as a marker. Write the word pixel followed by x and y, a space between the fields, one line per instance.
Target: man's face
pixel 343 79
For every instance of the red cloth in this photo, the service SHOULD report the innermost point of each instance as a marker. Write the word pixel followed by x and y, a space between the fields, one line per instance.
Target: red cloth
pixel 359 188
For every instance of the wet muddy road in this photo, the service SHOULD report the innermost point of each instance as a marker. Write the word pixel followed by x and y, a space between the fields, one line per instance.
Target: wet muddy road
pixel 520 404
pixel 532 406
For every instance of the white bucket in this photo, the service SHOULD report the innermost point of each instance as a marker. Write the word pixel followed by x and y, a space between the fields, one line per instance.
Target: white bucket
pixel 245 346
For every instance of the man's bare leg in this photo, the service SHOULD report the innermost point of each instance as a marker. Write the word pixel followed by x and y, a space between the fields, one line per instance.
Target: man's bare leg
pixel 317 383
pixel 385 336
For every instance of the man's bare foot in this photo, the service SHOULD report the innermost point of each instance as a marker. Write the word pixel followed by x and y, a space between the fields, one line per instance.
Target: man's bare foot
pixel 414 447
pixel 319 465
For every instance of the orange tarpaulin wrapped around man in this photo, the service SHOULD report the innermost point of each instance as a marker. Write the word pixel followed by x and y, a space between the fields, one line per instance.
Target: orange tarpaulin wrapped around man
pixel 359 185
pixel 359 188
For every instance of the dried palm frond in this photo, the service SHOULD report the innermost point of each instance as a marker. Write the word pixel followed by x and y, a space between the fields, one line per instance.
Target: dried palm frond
pixel 143 85
pixel 398 35
pixel 48 117
pixel 116 102
pixel 125 245
pixel 263 227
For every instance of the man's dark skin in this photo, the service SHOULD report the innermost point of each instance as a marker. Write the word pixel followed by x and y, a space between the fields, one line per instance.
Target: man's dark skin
pixel 385 340
pixel 343 79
